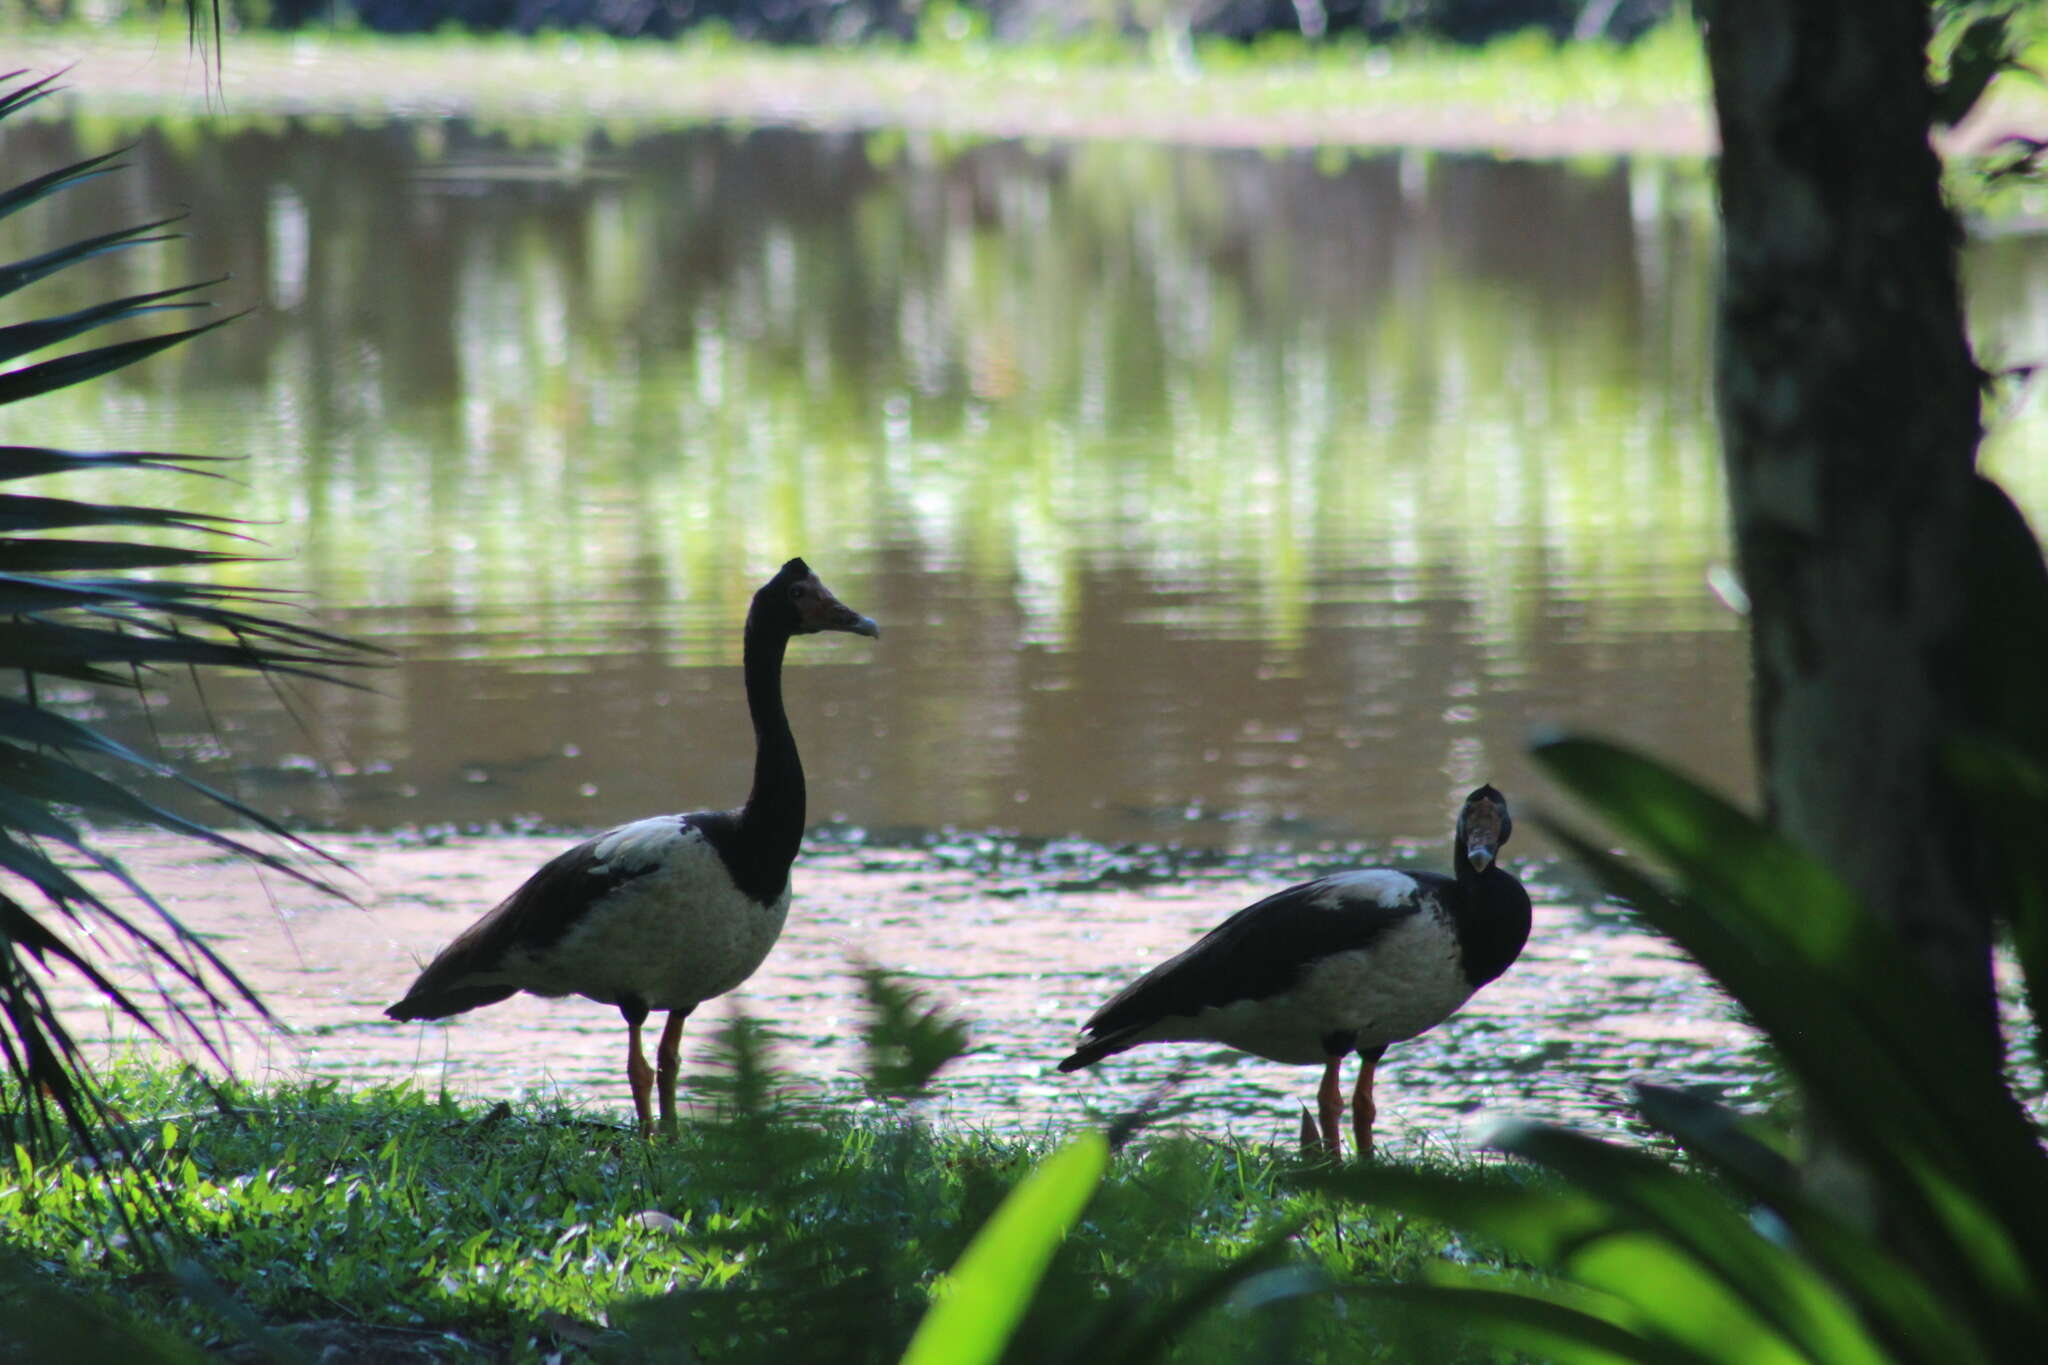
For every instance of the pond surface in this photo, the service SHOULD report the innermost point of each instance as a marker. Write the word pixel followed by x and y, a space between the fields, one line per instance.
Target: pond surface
pixel 1021 941
pixel 1251 505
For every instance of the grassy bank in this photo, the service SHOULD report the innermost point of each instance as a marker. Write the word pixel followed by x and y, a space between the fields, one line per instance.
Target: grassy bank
pixel 1523 95
pixel 398 1225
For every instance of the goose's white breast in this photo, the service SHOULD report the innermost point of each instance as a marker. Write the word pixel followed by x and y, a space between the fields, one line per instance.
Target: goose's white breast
pixel 674 936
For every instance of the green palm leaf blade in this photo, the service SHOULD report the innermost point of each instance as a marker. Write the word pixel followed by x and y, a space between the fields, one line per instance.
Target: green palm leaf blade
pixel 36 726
pixel 33 866
pixel 1661 1261
pixel 981 1302
pixel 1865 1034
pixel 1899 1302
pixel 179 603
pixel 21 96
pixel 1721 1135
pixel 40 776
pixel 20 274
pixel 25 512
pixel 1779 930
pixel 30 864
pixel 1563 1329
pixel 1901 1124
pixel 24 462
pixel 49 375
pixel 18 928
pixel 30 596
pixel 41 1054
pixel 37 333
pixel 1818 1302
pixel 1261 1275
pixel 76 652
pixel 19 197
pixel 96 556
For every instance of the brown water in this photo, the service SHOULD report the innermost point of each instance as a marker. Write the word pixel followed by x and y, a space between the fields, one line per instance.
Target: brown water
pixel 1220 503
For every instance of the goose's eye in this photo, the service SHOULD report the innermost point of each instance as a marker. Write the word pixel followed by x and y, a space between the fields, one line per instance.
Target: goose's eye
pixel 797 592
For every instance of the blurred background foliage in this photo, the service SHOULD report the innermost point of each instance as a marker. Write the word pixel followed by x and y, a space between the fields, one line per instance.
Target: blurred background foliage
pixel 838 21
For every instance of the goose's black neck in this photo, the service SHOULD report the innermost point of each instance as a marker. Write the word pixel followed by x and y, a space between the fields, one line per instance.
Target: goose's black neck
pixel 1492 914
pixel 771 825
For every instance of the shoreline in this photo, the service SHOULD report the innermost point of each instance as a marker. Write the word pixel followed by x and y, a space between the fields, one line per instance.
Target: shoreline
pixel 1437 102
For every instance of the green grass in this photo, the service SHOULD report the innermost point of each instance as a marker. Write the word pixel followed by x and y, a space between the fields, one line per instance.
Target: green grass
pixel 782 1232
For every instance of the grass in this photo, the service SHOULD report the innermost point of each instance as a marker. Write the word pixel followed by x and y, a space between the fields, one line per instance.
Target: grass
pixel 308 1216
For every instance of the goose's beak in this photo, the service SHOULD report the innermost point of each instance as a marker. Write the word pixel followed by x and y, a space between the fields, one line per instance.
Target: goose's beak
pixel 826 612
pixel 832 614
pixel 1481 828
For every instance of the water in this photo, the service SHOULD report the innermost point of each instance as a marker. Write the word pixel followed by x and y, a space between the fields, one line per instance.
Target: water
pixel 1246 504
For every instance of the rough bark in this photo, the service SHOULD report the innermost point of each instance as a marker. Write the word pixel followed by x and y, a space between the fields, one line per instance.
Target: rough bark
pixel 1849 411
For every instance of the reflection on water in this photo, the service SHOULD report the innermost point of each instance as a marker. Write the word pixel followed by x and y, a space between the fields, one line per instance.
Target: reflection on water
pixel 1211 496
pixel 1221 497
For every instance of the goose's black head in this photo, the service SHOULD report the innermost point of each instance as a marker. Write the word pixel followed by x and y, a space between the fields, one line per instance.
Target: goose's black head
pixel 1483 826
pixel 794 602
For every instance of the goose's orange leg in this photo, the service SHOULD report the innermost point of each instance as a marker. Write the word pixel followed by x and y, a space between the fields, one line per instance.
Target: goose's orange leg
pixel 668 1056
pixel 640 1076
pixel 1330 1107
pixel 1363 1111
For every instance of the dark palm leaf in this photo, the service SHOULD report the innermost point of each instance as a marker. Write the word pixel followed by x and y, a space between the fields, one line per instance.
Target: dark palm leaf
pixel 70 608
pixel 33 335
pixel 27 462
pixel 19 274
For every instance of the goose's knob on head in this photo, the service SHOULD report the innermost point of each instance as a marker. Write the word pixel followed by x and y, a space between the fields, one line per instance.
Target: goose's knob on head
pixel 1352 962
pixel 667 912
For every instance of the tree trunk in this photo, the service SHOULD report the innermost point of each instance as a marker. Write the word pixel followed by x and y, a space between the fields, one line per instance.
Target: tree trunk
pixel 1849 413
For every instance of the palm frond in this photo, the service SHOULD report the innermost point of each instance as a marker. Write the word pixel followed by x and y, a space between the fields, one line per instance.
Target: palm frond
pixel 33 335
pixel 76 608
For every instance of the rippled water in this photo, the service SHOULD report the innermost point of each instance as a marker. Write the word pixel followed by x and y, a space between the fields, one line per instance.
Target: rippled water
pixel 1021 941
pixel 1212 502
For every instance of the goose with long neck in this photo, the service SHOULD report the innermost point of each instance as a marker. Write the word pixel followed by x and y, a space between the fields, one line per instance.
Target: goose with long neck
pixel 1356 961
pixel 667 912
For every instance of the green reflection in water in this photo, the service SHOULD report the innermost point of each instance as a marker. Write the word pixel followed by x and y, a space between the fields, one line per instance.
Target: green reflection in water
pixel 1286 487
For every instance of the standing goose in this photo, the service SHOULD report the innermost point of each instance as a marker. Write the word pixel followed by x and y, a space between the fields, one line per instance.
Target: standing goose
pixel 1351 962
pixel 667 912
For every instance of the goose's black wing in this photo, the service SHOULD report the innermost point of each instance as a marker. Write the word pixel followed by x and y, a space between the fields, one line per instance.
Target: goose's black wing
pixel 1260 951
pixel 546 906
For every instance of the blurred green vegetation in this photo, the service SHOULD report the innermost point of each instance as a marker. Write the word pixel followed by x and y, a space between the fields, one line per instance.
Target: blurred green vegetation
pixel 959 80
pixel 1124 23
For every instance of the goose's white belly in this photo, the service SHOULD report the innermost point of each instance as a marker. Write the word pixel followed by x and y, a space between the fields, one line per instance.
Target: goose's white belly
pixel 1406 983
pixel 672 937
